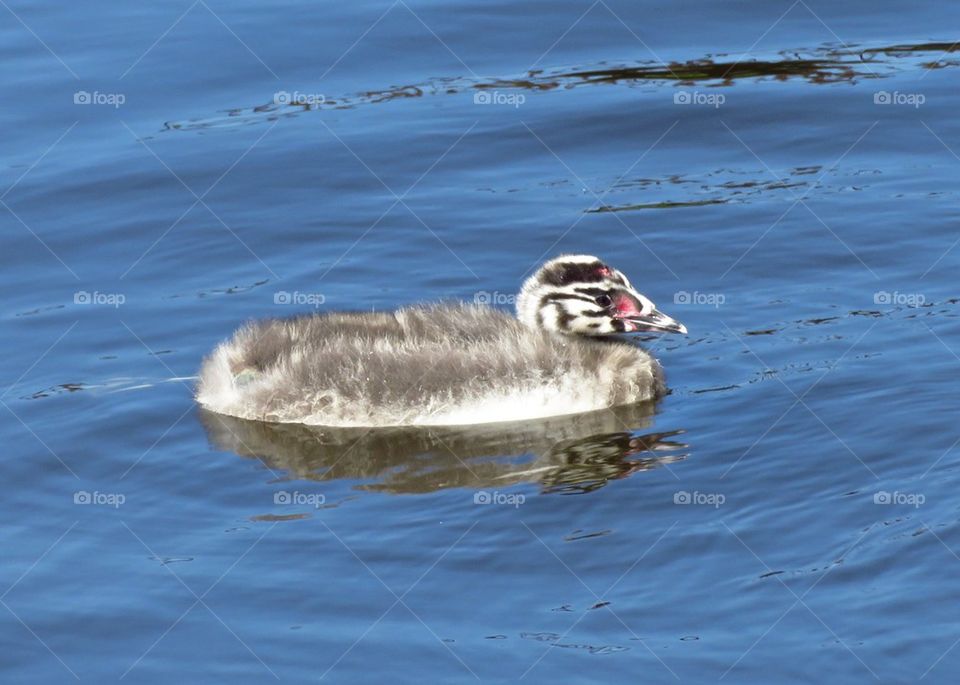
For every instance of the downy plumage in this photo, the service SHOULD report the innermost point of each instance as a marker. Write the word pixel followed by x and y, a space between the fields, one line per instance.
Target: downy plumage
pixel 447 363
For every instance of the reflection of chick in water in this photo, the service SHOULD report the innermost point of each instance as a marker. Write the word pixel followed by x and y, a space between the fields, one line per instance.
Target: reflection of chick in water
pixel 570 453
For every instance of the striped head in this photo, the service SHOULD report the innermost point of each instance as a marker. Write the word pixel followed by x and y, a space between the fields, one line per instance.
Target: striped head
pixel 579 294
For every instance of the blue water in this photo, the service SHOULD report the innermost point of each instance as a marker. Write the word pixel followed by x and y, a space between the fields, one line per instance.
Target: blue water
pixel 780 177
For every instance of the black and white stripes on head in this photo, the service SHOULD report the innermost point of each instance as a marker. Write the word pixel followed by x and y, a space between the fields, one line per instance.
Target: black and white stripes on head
pixel 579 269
pixel 580 294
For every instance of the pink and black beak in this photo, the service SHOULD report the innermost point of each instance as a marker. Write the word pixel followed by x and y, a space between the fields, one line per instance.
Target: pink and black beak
pixel 638 314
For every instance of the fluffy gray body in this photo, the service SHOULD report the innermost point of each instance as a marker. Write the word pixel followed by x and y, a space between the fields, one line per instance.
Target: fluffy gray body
pixel 445 364
pixel 448 364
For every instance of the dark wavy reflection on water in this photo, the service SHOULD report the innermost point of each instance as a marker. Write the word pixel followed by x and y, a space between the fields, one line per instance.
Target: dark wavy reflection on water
pixel 577 453
pixel 823 65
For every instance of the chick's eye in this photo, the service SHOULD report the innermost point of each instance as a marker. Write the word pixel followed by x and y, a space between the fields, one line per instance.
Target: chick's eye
pixel 603 300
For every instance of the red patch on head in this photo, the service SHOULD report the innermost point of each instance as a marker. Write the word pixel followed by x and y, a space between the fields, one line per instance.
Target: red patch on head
pixel 626 305
pixel 605 271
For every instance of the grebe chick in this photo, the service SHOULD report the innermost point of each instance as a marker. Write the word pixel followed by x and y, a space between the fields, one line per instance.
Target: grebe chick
pixel 447 363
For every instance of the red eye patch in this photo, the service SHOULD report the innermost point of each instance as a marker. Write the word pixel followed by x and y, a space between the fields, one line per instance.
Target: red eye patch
pixel 626 305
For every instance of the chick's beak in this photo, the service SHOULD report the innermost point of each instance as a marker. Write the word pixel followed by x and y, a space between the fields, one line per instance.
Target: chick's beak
pixel 656 321
pixel 629 309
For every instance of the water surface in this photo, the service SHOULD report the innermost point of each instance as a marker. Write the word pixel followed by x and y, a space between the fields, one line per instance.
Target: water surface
pixel 780 177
